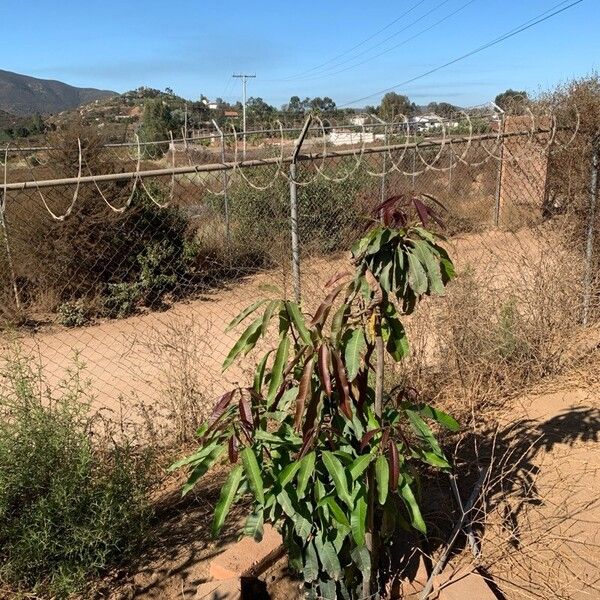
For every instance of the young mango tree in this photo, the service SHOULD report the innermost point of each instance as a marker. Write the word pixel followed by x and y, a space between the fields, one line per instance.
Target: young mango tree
pixel 322 453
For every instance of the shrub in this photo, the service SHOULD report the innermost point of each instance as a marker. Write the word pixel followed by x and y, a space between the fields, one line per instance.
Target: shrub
pixel 69 507
pixel 72 314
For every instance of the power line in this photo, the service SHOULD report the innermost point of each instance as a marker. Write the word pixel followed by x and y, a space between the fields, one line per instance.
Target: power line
pixel 523 27
pixel 362 43
pixel 398 45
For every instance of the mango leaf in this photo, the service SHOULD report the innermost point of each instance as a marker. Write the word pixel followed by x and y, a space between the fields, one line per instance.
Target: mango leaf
pixel 268 314
pixel 417 277
pixel 359 465
pixel 342 385
pixel 414 511
pixel 362 559
pixel 310 569
pixel 307 468
pixel 259 374
pixel 358 520
pixel 246 312
pixel 228 493
pixel 279 363
pixel 253 474
pixel 339 318
pixel 435 459
pixel 323 369
pixel 288 473
pixel 396 340
pixel 336 511
pixel 394 465
pixel 423 252
pixel 382 476
pixel 328 557
pixel 354 351
pixel 423 432
pixel 304 390
pixel 254 525
pixel 199 456
pixel 439 416
pixel 246 342
pixel 302 525
pixel 200 469
pixel 327 589
pixel 325 307
pixel 338 475
pixel 298 321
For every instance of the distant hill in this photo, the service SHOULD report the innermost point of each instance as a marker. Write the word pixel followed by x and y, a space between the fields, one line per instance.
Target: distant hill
pixel 24 95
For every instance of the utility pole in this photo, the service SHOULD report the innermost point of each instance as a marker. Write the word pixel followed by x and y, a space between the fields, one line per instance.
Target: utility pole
pixel 244 79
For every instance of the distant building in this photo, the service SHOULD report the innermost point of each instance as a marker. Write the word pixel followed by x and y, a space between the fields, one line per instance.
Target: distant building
pixel 231 113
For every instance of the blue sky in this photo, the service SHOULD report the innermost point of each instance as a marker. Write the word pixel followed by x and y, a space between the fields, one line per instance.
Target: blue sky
pixel 300 48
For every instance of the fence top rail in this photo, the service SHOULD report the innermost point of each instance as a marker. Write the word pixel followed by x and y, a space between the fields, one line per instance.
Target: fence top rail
pixel 232 165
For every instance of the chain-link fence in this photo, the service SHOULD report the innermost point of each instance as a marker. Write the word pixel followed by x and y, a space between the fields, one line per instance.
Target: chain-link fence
pixel 132 260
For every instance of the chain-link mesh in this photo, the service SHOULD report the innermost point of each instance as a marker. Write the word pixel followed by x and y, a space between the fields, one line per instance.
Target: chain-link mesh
pixel 134 259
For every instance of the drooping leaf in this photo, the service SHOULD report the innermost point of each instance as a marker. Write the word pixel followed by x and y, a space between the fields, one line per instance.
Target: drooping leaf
pixel 310 569
pixel 336 511
pixel 228 493
pixel 259 374
pixel 338 320
pixel 304 390
pixel 222 405
pixel 354 351
pixel 417 277
pixel 366 439
pixel 434 275
pixel 246 342
pixel 246 412
pixel 382 476
pixel 422 431
pixel 359 465
pixel 394 465
pixel 268 314
pixel 288 473
pixel 325 307
pixel 302 525
pixel 342 385
pixel 416 518
pixel 254 525
pixel 253 474
pixel 323 369
pixel 435 459
pixel 328 557
pixel 327 588
pixel 298 320
pixel 202 468
pixel 233 449
pixel 396 338
pixel 279 363
pixel 361 557
pixel 245 313
pixel 358 520
pixel 338 475
pixel 305 473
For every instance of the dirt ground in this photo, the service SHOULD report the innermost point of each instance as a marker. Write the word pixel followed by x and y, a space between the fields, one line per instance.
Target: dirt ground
pixel 132 361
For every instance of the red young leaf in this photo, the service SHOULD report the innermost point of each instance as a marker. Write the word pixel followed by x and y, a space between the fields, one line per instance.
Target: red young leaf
pixel 303 390
pixel 394 465
pixel 221 405
pixel 233 449
pixel 311 413
pixel 385 437
pixel 337 277
pixel 309 436
pixel 422 210
pixel 342 384
pixel 323 369
pixel 246 412
pixel 323 310
pixel 368 437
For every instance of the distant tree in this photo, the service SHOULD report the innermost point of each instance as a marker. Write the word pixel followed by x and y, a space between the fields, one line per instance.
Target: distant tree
pixel 295 106
pixel 157 122
pixel 442 109
pixel 258 111
pixel 512 101
pixel 393 105
pixel 169 91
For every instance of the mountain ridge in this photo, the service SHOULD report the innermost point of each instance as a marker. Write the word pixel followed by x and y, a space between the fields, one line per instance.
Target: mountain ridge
pixel 23 95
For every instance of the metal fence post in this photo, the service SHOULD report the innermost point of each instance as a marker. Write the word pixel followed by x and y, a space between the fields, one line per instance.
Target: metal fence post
pixel 9 258
pixel 296 276
pixel 589 243
pixel 225 181
pixel 498 194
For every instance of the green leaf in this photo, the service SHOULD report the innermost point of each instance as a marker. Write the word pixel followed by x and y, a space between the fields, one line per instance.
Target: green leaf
pixel 353 352
pixel 358 520
pixel 382 476
pixel 338 321
pixel 417 277
pixel 254 525
pixel 246 312
pixel 359 465
pixel 434 275
pixel 200 469
pixel 336 511
pixel 414 511
pixel 362 559
pixel 302 525
pixel 328 557
pixel 253 473
pixel 395 338
pixel 310 569
pixel 327 590
pixel 198 456
pixel 435 459
pixel 246 342
pixel 271 308
pixel 338 475
pixel 288 472
pixel 439 416
pixel 307 468
pixel 423 432
pixel 228 493
pixel 279 363
pixel 259 374
pixel 298 320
